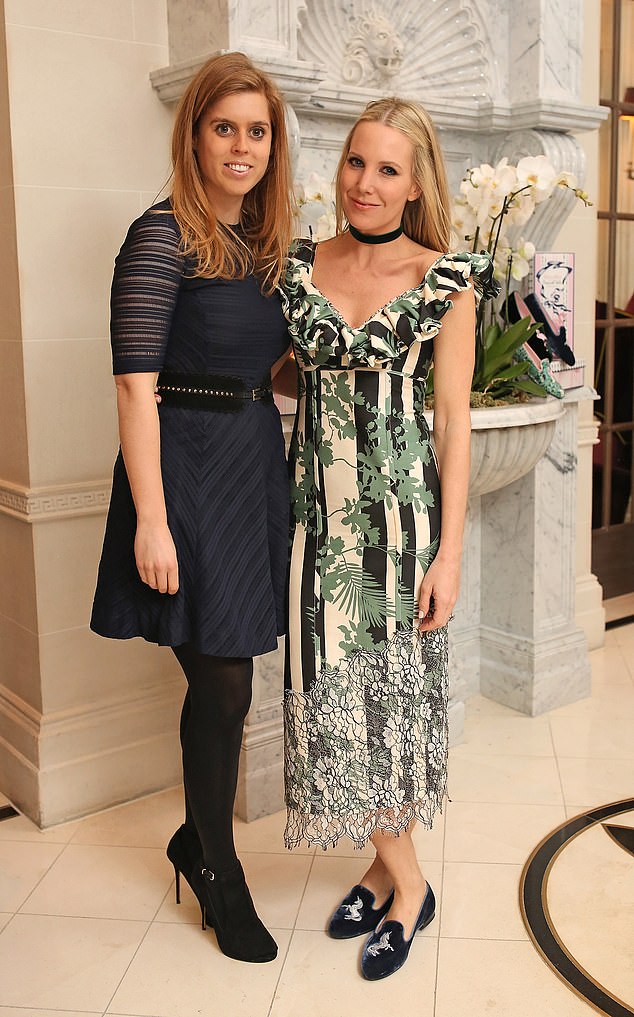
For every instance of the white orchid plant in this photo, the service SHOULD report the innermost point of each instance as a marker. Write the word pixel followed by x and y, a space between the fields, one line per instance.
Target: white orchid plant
pixel 316 202
pixel 493 205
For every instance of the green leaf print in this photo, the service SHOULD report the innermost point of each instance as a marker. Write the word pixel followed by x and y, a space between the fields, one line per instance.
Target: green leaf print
pixel 357 636
pixel 427 555
pixel 407 606
pixel 359 521
pixel 412 491
pixel 330 551
pixel 374 484
pixel 325 453
pixel 337 399
pixel 410 438
pixel 356 593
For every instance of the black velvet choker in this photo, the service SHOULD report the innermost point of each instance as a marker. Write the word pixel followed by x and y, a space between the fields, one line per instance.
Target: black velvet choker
pixel 375 238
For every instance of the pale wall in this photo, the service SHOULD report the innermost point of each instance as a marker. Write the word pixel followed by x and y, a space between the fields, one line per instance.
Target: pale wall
pixel 89 150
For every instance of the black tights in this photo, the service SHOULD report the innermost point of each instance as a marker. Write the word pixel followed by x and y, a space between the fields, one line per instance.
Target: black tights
pixel 217 701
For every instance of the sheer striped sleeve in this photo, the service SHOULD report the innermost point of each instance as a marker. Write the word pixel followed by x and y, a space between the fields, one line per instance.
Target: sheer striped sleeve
pixel 147 278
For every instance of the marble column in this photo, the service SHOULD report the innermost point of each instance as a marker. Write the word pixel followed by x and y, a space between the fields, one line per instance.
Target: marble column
pixel 533 657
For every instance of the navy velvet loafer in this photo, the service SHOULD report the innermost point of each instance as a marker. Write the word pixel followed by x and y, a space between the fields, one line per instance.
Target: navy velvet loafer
pixel 356 915
pixel 386 949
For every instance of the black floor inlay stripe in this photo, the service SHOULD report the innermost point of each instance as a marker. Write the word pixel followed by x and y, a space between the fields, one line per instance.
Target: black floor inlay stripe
pixel 534 906
pixel 623 835
pixel 7 812
pixel 617 622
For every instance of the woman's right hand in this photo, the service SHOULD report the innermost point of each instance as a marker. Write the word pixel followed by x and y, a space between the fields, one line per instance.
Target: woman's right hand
pixel 155 556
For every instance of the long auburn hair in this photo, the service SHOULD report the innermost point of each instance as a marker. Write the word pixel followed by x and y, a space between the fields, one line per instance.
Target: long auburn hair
pixel 426 219
pixel 266 215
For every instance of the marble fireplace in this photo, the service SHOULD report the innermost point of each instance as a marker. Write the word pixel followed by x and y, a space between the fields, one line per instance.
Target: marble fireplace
pixel 499 79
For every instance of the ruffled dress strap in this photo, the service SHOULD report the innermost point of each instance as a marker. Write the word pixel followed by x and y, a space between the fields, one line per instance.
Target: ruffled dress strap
pixel 301 255
pixel 451 273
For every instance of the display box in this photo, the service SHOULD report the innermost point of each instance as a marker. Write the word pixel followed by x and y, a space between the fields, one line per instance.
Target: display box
pixel 568 376
pixel 553 285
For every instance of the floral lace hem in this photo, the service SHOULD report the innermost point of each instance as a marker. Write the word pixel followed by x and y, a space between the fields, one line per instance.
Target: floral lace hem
pixel 326 831
pixel 366 744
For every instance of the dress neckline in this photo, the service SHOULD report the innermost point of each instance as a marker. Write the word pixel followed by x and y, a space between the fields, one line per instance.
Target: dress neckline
pixel 379 310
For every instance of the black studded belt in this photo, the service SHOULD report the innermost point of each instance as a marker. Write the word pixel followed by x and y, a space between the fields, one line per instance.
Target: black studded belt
pixel 209 391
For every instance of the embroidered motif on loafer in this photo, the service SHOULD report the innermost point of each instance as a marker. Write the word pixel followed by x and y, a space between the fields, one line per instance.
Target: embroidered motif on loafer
pixel 356 915
pixel 354 911
pixel 383 944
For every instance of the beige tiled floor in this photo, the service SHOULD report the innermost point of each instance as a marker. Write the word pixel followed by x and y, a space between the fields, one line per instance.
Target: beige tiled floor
pixel 88 922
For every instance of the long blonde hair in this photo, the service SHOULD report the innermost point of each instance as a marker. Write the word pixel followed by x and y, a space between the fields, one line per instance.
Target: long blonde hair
pixel 266 216
pixel 426 219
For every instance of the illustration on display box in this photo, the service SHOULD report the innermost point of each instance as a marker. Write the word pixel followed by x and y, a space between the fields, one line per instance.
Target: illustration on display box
pixel 553 284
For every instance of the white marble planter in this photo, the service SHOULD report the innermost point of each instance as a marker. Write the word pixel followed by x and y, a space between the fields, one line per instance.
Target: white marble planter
pixel 508 441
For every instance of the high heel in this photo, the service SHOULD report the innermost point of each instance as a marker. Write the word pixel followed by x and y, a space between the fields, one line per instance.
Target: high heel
pixel 177 884
pixel 185 853
pixel 516 310
pixel 556 339
pixel 538 371
pixel 227 902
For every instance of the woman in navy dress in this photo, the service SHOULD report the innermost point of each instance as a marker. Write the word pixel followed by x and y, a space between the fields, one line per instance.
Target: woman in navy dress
pixel 195 549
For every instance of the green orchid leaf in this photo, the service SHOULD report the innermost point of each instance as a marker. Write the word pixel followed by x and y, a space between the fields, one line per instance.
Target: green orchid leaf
pixel 514 371
pixel 531 387
pixel 491 335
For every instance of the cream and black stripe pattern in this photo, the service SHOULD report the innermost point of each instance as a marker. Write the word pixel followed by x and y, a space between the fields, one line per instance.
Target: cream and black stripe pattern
pixel 366 696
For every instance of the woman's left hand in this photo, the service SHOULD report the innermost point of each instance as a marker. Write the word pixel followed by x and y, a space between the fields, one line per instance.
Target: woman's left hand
pixel 438 594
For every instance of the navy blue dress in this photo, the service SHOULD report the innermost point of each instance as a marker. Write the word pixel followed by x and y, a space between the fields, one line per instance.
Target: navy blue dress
pixel 224 474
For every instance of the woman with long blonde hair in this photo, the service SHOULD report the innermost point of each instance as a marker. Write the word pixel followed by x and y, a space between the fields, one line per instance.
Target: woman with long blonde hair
pixel 195 550
pixel 375 560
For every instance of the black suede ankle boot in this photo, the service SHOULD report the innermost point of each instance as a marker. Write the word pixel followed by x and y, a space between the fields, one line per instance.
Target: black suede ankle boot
pixel 227 903
pixel 185 853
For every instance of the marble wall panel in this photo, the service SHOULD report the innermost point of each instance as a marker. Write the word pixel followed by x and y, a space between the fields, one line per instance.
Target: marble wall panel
pixel 113 132
pixel 70 407
pixel 112 20
pixel 561 65
pixel 66 554
pixel 196 28
pixel 545 50
pixel 150 22
pixel 17 574
pixel 14 465
pixel 269 689
pixel 67 242
pixel 19 664
pixel 79 668
pixel 554 533
pixel 10 325
pixel 263 24
pixel 9 292
pixel 79 786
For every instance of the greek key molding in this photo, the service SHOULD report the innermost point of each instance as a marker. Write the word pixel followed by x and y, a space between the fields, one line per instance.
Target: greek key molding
pixel 59 501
